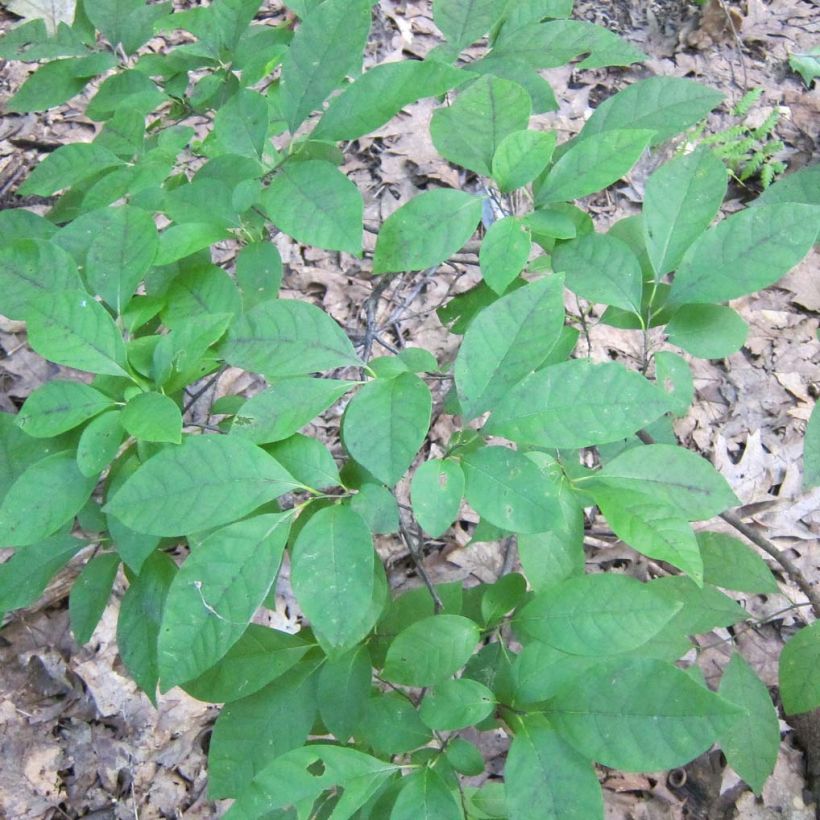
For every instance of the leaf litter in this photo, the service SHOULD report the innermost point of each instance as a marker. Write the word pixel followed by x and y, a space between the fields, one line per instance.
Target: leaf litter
pixel 79 739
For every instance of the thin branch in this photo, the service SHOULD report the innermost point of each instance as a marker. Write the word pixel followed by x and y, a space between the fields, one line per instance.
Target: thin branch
pixel 196 395
pixel 412 547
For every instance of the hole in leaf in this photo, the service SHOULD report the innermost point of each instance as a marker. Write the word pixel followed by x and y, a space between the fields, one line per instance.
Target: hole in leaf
pixel 317 768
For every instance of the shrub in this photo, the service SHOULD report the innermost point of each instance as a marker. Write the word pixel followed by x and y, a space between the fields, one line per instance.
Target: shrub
pixel 360 713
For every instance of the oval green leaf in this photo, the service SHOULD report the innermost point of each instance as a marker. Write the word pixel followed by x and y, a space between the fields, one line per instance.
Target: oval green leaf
pixel 430 650
pixel 215 594
pixel 510 491
pixel 332 575
pixel 287 338
pixel 204 482
pixel 577 404
pixel 423 232
pixel 596 615
pixel 436 491
pixel 385 423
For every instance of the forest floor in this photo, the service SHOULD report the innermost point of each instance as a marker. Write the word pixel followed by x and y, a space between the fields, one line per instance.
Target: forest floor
pixel 76 737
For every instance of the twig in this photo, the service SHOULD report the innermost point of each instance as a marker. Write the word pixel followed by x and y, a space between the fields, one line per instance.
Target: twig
pixel 791 569
pixel 412 545
pixel 738 43
pixel 370 315
pixel 195 396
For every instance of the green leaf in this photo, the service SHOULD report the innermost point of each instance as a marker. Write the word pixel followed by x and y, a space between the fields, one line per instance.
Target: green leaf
pixel 258 657
pixel 287 338
pixel 316 204
pixel 551 44
pixel 506 341
pixel 332 575
pixel 456 704
pixel 541 94
pixel 307 460
pixel 200 294
pixel 746 252
pixel 707 331
pixel 811 451
pixel 504 253
pixel 592 164
pixel 540 671
pixel 509 490
pixel 121 254
pixel 491 665
pixel 125 22
pixel 502 597
pixel 378 506
pixel 704 607
pixel 577 404
pixel 153 417
pixel 731 564
pixel 216 593
pixel 241 125
pixel 654 716
pixel 90 593
pixel 464 757
pixel 799 681
pixel 487 802
pixel 300 776
pixel 30 268
pixel 67 166
pixel 469 131
pixel 520 157
pixel 47 495
pixel 99 443
pixel 425 231
pixel 51 84
pixel 58 406
pixel 665 105
pixel 674 476
pixel 251 732
pixel 18 223
pixel 385 423
pixel 343 689
pixel 430 650
pixel 327 46
pixel 651 527
pixel 286 406
pixel 595 615
pixel 601 269
pixel 391 725
pixel 204 482
pixel 178 241
pixel 436 491
pixel 380 93
pixel 71 328
pixel 751 743
pixel 258 273
pixel 547 779
pixel 464 21
pixel 673 375
pixel 681 199
pixel 425 796
pixel 558 553
pixel 129 90
pixel 24 578
pixel 799 186
pixel 139 620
